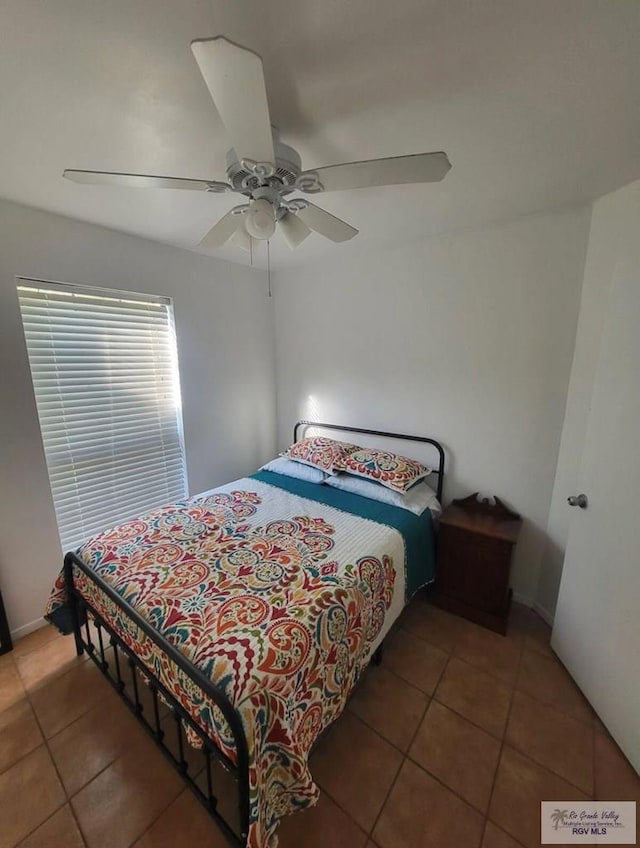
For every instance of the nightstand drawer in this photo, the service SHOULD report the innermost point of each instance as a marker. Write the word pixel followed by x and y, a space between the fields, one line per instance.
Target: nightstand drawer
pixel 473 569
pixel 475 545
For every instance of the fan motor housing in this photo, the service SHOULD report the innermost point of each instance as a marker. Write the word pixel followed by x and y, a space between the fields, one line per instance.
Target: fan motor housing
pixel 288 169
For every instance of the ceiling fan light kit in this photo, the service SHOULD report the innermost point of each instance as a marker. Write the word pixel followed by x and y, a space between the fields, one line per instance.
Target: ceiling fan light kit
pixel 262 168
pixel 260 219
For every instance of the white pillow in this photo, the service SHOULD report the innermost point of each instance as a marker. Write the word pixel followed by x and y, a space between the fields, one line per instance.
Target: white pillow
pixel 416 500
pixel 283 465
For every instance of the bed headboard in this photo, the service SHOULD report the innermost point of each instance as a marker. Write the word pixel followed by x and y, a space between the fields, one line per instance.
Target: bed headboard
pixel 439 471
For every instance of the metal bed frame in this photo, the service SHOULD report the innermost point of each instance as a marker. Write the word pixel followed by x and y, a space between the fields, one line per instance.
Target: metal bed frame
pixel 141 679
pixel 439 471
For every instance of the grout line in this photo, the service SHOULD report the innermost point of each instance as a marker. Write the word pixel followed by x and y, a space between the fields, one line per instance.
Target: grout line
pixel 513 688
pixel 57 809
pixel 434 776
pixel 403 680
pixel 553 706
pixel 45 743
pixel 495 677
pixel 67 800
pixel 493 680
pixel 523 648
pixel 378 733
pixel 68 797
pixel 424 639
pixel 504 737
pixel 490 733
pixel 454 651
pixel 546 768
pixel 502 830
pixel 544 765
pixel 417 689
pixel 184 789
pixel 335 800
pixel 24 653
pixel 338 805
pixel 406 756
pixel 69 666
pixel 43 822
pixel 73 721
pixel 444 785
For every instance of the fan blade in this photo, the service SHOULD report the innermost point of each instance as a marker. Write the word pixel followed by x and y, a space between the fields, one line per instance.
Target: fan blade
pixel 397 170
pixel 143 181
pixel 235 80
pixel 224 229
pixel 293 230
pixel 241 238
pixel 326 224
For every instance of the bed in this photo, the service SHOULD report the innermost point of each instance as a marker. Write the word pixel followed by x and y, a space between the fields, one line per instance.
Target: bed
pixel 236 624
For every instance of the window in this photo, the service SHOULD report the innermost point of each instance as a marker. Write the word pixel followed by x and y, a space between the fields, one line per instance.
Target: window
pixel 104 369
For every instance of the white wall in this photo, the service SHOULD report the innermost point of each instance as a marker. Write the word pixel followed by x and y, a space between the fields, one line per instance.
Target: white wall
pixel 614 224
pixel 468 338
pixel 224 325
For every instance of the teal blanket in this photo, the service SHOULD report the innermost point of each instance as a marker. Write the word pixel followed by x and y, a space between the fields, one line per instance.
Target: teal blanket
pixel 416 530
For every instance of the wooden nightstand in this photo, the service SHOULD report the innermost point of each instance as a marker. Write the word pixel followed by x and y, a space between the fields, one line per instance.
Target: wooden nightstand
pixel 475 544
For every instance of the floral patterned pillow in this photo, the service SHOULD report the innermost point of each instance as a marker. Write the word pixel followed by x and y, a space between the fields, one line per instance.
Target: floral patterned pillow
pixel 390 469
pixel 327 454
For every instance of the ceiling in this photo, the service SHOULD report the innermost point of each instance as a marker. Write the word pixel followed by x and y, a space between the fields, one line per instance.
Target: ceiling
pixel 536 104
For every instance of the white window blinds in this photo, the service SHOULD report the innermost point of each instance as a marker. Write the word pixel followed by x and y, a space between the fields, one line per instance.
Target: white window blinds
pixel 104 369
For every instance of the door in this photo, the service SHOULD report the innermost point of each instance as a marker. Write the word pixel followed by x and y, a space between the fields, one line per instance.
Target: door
pixel 596 632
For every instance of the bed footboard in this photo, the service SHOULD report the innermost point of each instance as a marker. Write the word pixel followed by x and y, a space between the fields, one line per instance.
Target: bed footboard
pixel 157 709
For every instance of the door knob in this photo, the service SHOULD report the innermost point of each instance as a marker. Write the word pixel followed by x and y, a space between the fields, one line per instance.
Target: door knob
pixel 578 500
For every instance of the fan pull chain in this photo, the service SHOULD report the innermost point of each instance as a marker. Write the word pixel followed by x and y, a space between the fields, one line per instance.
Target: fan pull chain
pixel 269 267
pixel 251 251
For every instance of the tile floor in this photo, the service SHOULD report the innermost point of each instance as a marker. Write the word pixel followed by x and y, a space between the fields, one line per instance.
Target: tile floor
pixel 452 741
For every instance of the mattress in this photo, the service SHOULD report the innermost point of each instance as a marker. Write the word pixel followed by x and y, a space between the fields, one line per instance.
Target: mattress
pixel 279 591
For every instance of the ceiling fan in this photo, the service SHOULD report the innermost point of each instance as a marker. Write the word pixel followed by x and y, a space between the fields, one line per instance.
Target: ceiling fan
pixel 263 169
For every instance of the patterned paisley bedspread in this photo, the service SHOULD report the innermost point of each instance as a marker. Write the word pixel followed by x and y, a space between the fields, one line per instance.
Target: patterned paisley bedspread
pixel 278 599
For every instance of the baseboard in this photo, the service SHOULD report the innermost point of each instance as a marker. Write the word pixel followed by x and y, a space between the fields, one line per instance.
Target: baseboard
pixel 19 632
pixel 522 599
pixel 544 614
